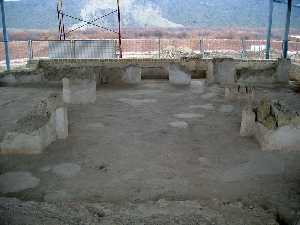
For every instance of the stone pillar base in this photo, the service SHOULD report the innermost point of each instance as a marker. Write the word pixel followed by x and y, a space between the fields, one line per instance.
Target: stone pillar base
pixel 132 75
pixel 179 77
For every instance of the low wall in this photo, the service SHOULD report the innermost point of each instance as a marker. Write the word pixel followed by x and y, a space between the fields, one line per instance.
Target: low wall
pixel 219 70
pixel 25 76
pixel 113 71
pixel 273 126
pixel 47 122
pixel 228 71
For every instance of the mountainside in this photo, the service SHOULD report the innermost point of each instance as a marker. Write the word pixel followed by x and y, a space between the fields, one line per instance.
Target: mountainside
pixel 41 14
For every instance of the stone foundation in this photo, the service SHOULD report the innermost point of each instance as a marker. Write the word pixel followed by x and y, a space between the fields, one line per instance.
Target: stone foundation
pixel 178 76
pixel 79 91
pixel 264 73
pixel 239 92
pixel 273 126
pixel 47 122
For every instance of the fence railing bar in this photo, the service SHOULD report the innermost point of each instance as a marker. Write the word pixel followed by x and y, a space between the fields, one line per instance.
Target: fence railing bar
pixel 149 48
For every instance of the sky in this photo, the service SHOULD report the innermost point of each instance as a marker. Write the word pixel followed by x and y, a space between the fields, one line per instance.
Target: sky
pixel 41 14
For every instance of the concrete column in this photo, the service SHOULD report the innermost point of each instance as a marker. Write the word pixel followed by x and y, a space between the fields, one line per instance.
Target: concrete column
pixel 269 32
pixel 79 91
pixel 30 50
pixel 178 76
pixel 287 29
pixel 132 75
pixel 224 71
pixel 5 35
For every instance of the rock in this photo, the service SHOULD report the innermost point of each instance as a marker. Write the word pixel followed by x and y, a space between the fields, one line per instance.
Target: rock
pixel 17 181
pixel 172 52
pixel 270 122
pixel 263 110
pixel 282 115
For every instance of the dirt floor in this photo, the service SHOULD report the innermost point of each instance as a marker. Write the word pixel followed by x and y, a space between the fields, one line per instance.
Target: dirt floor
pixel 154 154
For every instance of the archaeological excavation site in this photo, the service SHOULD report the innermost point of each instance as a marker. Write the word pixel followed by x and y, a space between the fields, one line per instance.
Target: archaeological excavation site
pixel 123 131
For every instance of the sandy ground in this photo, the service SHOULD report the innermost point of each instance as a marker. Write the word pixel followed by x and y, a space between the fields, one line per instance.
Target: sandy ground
pixel 159 143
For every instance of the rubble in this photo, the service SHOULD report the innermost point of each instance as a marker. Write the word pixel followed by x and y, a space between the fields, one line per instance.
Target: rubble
pixel 171 52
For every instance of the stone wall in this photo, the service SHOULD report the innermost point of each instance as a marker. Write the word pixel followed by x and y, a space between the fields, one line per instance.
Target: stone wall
pixel 273 125
pixel 31 134
pixel 113 71
pixel 262 72
pixel 219 70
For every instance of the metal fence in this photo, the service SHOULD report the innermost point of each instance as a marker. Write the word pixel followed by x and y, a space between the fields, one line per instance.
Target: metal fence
pixel 21 51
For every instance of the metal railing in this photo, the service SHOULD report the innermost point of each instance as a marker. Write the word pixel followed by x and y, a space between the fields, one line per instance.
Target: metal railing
pixel 22 51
